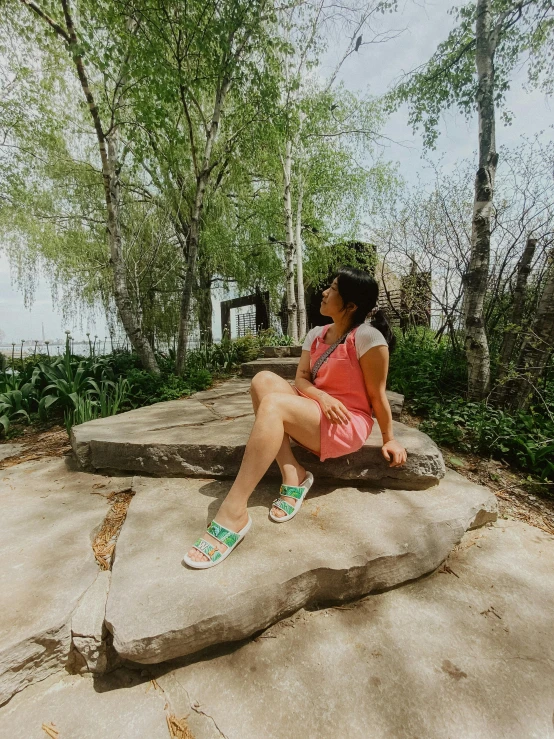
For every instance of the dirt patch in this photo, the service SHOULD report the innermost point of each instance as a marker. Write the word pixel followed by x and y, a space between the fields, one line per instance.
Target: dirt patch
pixel 49 442
pixel 105 540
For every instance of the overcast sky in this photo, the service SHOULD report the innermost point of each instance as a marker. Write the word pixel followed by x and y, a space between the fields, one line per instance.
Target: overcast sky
pixel 373 69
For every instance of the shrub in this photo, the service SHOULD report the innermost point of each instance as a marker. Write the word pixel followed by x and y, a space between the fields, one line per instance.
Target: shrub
pixel 247 348
pixel 433 378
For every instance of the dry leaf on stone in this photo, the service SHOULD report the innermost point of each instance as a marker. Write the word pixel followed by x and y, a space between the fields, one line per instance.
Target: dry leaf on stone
pixel 178 728
pixel 105 540
pixel 445 568
pixel 452 670
pixel 51 730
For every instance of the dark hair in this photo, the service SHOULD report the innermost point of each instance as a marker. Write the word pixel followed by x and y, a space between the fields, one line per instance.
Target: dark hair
pixel 359 287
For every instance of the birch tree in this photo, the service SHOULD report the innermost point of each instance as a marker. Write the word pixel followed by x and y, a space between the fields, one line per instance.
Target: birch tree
pixel 60 19
pixel 305 27
pixel 472 70
pixel 211 69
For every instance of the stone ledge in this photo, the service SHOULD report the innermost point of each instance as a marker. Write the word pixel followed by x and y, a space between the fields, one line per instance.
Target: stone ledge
pixel 345 543
pixel 283 366
pixel 206 435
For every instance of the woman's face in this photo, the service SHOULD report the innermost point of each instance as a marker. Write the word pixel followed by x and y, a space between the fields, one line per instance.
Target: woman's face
pixel 331 303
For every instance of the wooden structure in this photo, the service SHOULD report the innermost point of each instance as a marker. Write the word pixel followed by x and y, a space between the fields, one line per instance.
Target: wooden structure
pixel 260 300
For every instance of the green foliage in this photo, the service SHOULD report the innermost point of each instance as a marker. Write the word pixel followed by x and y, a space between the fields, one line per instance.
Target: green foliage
pixel 82 388
pixel 247 348
pixel 524 30
pixel 19 393
pixel 433 379
pixel 425 370
pixel 270 337
pixel 525 439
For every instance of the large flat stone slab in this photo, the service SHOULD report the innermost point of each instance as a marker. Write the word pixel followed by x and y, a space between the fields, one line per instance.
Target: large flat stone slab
pixel 206 436
pixel 49 515
pixel 345 543
pixel 429 660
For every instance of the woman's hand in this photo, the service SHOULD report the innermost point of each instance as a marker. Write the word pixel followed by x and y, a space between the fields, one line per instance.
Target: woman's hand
pixel 333 409
pixel 392 449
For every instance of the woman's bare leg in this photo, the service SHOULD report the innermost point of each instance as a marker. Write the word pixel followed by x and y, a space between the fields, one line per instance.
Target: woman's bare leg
pixel 278 414
pixel 292 472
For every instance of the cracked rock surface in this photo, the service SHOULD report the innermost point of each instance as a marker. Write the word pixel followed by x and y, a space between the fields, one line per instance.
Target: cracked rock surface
pixel 205 435
pixel 429 660
pixel 87 624
pixel 122 706
pixel 49 514
pixel 345 542
pixel 467 652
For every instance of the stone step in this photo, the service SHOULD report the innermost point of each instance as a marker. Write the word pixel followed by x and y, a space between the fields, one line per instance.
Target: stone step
pixel 206 435
pixel 271 352
pixel 286 368
pixel 344 544
pixel 282 366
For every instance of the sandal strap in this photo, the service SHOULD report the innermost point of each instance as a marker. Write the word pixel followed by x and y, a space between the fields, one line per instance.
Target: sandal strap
pixel 284 506
pixel 208 549
pixel 225 536
pixel 291 491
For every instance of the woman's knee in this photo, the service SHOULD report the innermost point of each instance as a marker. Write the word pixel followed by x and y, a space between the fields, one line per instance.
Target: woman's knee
pixel 272 402
pixel 264 382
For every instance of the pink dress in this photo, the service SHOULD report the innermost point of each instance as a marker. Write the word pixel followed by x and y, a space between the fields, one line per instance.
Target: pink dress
pixel 341 376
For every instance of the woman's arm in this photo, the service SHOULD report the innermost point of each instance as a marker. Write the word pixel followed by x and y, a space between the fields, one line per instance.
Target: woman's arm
pixel 333 409
pixel 375 368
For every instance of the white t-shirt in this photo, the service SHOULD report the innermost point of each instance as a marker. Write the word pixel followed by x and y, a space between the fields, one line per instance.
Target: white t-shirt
pixel 367 336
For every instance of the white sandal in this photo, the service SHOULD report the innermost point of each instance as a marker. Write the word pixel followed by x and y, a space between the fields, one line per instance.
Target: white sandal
pixel 225 536
pixel 290 491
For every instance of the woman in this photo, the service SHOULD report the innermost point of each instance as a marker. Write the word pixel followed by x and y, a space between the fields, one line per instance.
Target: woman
pixel 341 375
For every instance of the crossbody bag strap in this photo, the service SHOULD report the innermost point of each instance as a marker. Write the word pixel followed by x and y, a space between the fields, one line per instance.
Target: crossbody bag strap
pixel 326 354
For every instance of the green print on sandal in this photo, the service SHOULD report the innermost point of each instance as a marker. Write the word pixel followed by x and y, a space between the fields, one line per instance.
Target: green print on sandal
pixel 284 506
pixel 208 549
pixel 291 492
pixel 229 538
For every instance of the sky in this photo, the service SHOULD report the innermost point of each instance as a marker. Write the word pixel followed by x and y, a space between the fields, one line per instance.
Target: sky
pixel 419 27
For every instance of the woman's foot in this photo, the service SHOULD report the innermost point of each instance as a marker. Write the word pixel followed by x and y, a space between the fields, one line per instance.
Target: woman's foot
pixel 294 477
pixel 230 519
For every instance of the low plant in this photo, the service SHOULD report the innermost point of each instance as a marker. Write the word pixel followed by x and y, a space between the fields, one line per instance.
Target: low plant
pixel 524 439
pixel 19 393
pixel 247 348
pixel 433 378
pixel 13 406
pixel 110 396
pixel 270 337
pixel 99 401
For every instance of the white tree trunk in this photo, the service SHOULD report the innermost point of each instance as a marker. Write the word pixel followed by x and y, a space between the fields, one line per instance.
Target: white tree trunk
pixel 302 324
pixel 292 323
pixel 108 145
pixel 475 279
